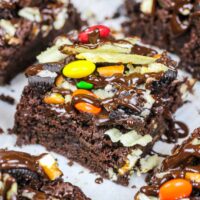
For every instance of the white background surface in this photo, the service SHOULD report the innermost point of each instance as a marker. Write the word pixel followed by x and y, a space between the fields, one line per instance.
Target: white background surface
pixel 189 113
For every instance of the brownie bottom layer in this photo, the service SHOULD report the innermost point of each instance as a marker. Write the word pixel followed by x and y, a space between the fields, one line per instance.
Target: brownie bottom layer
pixel 74 136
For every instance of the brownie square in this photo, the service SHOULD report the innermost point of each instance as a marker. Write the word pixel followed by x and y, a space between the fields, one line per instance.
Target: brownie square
pixel 168 24
pixel 100 101
pixel 24 176
pixel 181 167
pixel 26 29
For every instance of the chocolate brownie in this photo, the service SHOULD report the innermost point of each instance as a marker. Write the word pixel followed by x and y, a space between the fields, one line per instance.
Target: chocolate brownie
pixel 27 28
pixel 169 24
pixel 24 176
pixel 179 172
pixel 101 102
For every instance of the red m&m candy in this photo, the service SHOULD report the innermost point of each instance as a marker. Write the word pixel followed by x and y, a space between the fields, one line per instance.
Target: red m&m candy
pixel 104 32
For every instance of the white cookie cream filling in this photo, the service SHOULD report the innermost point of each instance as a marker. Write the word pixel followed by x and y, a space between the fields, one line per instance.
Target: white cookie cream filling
pixel 47 73
pixel 105 93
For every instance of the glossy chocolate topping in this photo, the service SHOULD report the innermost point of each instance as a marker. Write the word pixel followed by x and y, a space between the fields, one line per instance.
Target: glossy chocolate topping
pixel 35 69
pixel 8 190
pixel 9 10
pixel 18 160
pixel 94 37
pixel 128 96
pixel 180 20
pixel 32 71
pixel 16 168
pixel 185 159
pixel 144 51
pixel 182 12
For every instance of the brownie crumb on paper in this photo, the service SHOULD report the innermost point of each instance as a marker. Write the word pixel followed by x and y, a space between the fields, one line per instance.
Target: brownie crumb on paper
pixel 1 130
pixel 8 99
pixel 99 180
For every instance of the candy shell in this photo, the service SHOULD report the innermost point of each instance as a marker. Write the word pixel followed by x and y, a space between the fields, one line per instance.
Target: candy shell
pixel 82 91
pixel 175 189
pixel 110 70
pixel 79 69
pixel 54 98
pixel 87 108
pixel 84 85
pixel 104 32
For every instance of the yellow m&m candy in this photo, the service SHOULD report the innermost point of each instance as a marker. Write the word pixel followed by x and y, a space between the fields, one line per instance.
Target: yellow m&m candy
pixel 79 69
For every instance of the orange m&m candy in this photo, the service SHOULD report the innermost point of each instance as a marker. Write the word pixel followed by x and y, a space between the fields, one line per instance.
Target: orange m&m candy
pixel 175 189
pixel 110 70
pixel 88 108
pixel 82 91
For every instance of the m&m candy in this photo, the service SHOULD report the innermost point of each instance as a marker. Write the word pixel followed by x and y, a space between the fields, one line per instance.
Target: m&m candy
pixel 175 189
pixel 84 85
pixel 79 69
pixel 87 108
pixel 104 32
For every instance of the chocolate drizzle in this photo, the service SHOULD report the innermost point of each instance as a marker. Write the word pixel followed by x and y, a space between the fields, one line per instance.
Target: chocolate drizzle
pixel 85 98
pixel 122 80
pixel 94 36
pixel 14 159
pixel 35 69
pixel 182 12
pixel 19 186
pixel 178 130
pixel 180 20
pixel 129 91
pixel 144 51
pixel 49 11
pixel 8 191
pixel 184 159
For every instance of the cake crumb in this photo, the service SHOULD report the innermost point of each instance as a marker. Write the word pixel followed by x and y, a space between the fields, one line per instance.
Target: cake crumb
pixel 99 180
pixel 8 99
pixel 1 130
pixel 133 186
pixel 70 163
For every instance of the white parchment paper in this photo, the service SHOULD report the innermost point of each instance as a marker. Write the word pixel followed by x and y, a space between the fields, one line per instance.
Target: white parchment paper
pixel 76 174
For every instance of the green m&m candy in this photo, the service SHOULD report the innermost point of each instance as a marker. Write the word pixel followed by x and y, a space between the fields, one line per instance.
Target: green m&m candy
pixel 84 85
